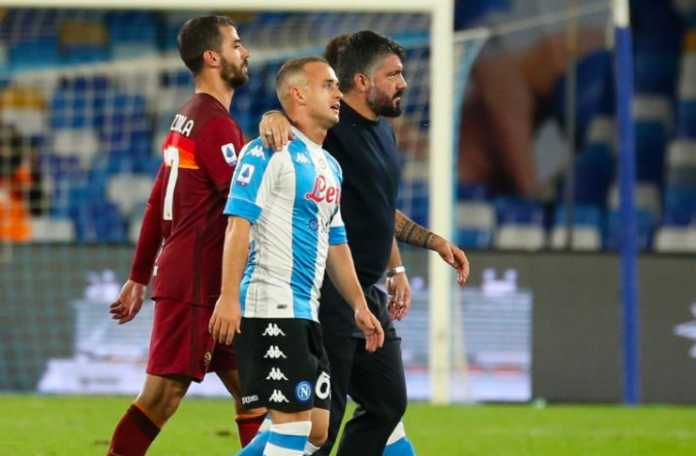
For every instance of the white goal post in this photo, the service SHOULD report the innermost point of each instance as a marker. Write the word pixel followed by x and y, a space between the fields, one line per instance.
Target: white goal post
pixel 441 194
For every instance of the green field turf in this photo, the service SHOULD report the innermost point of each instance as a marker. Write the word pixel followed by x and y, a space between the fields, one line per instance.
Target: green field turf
pixel 78 426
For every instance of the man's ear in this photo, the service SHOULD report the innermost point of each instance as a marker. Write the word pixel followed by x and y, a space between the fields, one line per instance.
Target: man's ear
pixel 211 58
pixel 361 82
pixel 298 95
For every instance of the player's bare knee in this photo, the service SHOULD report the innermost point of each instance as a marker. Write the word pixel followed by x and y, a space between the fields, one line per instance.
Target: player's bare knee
pixel 162 395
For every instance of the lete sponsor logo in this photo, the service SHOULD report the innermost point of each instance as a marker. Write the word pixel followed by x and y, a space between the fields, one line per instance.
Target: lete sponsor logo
pixel 322 191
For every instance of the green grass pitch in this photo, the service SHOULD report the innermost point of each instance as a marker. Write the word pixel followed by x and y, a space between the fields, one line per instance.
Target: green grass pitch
pixel 82 426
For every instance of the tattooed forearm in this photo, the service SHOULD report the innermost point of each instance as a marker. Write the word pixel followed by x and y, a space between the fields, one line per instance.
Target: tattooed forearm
pixel 408 231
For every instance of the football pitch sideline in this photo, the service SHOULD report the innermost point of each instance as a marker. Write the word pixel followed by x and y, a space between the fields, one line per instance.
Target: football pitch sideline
pixel 82 426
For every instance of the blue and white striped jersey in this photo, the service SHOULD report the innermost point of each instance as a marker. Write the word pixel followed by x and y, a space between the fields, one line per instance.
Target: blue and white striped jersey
pixel 292 199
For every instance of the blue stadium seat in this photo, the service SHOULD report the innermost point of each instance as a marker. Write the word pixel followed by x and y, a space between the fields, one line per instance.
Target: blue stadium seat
pixel 180 78
pixel 476 222
pixel 84 53
pixel 650 163
pixel 680 198
pixel 474 238
pixel 686 119
pixel 34 53
pixel 583 215
pixel 74 102
pixel 594 173
pixel 678 217
pixel 413 201
pixel 593 92
pixel 99 222
pixel 149 166
pixel 518 211
pixel 471 191
pixel 646 230
pixel 27 24
pixel 132 33
pixel 656 72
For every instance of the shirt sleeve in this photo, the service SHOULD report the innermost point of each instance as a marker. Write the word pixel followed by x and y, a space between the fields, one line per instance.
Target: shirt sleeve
pixel 253 181
pixel 150 238
pixel 219 142
pixel 337 230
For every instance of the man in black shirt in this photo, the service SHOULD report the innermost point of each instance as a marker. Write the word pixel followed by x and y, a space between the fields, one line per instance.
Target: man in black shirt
pixel 369 68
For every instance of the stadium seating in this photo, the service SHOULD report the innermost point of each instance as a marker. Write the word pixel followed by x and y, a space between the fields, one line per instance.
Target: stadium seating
pixel 475 224
pixel 520 224
pixel 587 228
pixel 99 134
pixel 681 163
pixel 677 234
pixel 647 198
pixel 49 229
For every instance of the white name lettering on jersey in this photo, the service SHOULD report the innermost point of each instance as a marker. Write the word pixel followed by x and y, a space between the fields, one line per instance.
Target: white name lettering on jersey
pixel 273 331
pixel 276 375
pixel 182 125
pixel 278 396
pixel 274 353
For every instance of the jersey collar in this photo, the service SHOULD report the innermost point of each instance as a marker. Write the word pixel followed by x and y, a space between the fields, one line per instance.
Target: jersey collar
pixel 308 142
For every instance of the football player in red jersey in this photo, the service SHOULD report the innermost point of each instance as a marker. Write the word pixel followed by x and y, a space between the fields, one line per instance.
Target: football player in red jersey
pixel 184 217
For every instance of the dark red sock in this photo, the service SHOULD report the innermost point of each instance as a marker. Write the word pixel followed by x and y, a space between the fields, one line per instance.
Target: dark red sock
pixel 248 427
pixel 133 435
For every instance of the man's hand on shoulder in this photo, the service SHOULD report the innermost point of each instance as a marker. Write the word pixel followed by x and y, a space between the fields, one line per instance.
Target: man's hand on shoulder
pixel 275 130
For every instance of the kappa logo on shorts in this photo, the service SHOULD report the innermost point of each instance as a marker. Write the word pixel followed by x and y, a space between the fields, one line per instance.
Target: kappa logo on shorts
pixel 274 353
pixel 276 374
pixel 273 330
pixel 303 391
pixel 278 396
pixel 207 358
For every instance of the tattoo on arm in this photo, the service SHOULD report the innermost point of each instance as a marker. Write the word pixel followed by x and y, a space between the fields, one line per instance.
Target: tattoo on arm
pixel 408 231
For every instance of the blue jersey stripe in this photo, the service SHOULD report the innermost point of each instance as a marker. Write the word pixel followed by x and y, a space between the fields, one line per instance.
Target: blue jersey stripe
pixel 248 274
pixel 291 442
pixel 304 239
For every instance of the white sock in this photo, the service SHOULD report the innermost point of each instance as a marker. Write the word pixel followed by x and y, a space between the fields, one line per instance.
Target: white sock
pixel 288 439
pixel 397 434
pixel 310 449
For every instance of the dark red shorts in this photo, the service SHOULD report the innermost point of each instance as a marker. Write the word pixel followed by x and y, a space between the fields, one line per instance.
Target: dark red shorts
pixel 181 344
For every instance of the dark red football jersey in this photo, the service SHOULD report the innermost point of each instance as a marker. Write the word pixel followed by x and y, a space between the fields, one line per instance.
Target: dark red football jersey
pixel 199 156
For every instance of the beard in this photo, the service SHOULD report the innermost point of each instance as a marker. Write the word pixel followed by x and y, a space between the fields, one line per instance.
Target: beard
pixel 232 75
pixel 382 104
